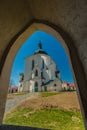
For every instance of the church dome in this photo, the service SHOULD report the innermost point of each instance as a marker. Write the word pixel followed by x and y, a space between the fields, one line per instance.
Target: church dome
pixel 40 50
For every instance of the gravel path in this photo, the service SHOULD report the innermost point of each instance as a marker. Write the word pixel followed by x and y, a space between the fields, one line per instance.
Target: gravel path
pixel 13 102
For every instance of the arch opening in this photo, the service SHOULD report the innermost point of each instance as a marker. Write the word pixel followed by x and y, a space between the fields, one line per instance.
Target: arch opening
pixel 22 38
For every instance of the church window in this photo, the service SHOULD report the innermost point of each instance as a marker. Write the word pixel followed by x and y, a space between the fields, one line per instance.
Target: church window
pixel 21 85
pixel 41 74
pixel 56 74
pixel 55 85
pixel 36 73
pixel 43 64
pixel 32 64
pixel 47 68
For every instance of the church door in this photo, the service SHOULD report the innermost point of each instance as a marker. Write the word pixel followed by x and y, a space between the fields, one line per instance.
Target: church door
pixel 45 88
pixel 36 87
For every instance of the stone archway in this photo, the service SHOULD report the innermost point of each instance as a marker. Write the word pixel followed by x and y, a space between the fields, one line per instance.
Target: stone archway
pixel 70 49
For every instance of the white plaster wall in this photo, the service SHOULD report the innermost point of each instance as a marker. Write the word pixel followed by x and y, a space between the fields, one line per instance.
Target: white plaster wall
pixel 27 71
pixel 47 59
pixel 58 86
pixel 38 63
pixel 52 68
pixel 20 88
pixel 26 86
pixel 64 86
pixel 46 75
pixel 31 86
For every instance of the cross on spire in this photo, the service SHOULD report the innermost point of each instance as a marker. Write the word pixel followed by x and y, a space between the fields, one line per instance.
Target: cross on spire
pixel 39 45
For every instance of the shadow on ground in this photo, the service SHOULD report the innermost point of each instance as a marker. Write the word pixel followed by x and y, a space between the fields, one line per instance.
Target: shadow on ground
pixel 13 127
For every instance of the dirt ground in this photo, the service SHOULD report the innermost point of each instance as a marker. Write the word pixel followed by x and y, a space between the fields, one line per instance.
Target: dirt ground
pixel 14 95
pixel 65 100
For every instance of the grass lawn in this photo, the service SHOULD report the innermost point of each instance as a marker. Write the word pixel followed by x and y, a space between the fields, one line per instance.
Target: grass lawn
pixel 21 93
pixel 46 118
pixel 47 94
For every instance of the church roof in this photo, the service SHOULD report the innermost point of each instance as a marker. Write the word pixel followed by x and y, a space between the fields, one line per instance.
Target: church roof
pixel 40 50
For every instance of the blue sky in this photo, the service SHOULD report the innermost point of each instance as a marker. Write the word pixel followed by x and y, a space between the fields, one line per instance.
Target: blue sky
pixel 51 46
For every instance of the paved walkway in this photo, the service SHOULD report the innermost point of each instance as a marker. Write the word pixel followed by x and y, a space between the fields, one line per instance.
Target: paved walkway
pixel 13 102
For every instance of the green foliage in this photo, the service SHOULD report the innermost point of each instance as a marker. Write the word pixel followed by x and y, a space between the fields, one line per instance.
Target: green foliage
pixel 46 118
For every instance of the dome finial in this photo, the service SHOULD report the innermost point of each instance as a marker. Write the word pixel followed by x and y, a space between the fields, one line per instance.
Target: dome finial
pixel 39 45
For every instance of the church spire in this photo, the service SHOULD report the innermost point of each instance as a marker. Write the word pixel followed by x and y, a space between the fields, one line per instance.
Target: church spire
pixel 39 45
pixel 40 50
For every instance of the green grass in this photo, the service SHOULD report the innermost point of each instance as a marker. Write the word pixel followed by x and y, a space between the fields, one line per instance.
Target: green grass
pixel 21 93
pixel 46 118
pixel 47 94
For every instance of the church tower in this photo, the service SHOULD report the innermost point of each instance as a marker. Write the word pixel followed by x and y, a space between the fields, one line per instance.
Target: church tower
pixel 40 73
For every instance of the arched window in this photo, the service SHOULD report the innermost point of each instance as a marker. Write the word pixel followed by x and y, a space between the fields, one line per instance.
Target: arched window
pixel 36 73
pixel 32 64
pixel 55 85
pixel 41 74
pixel 43 63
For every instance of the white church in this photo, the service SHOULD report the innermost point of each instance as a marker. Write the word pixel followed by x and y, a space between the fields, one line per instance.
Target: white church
pixel 40 73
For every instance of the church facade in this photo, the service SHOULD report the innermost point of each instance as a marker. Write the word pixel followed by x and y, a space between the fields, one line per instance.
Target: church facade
pixel 40 73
